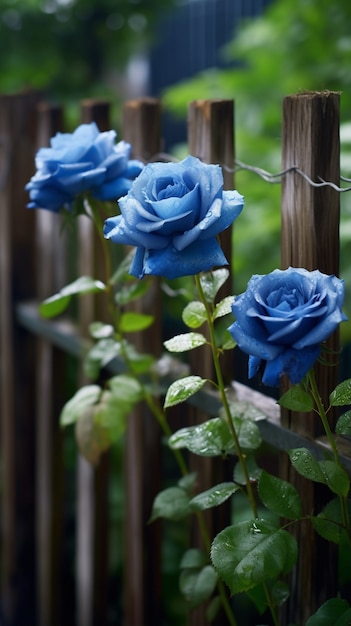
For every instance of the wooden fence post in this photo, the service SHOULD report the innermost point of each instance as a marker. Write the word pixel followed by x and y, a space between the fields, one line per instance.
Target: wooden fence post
pixel 310 239
pixel 48 436
pixel 17 374
pixel 211 139
pixel 92 483
pixel 142 128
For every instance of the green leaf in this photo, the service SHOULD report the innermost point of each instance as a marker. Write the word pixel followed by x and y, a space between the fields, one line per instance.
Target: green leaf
pixel 194 558
pixel 212 438
pixel 126 389
pixel 251 552
pixel 248 433
pixel 194 314
pixel 211 282
pixel 335 477
pixel 171 503
pixel 197 585
pixel 224 307
pixel 98 330
pixel 59 302
pixel 213 497
pixel 131 292
pixel 329 523
pixel 341 394
pixel 182 389
pixel 253 470
pixel 111 415
pixel 296 399
pixel 55 305
pixel 343 425
pixel 104 351
pixel 327 472
pixel 85 397
pixel 92 438
pixel 184 342
pixel 279 496
pixel 132 322
pixel 334 612
pixel 138 362
pixel 305 463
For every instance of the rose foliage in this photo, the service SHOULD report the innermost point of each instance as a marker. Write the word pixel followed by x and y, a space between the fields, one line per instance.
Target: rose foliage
pixel 86 160
pixel 173 214
pixel 283 318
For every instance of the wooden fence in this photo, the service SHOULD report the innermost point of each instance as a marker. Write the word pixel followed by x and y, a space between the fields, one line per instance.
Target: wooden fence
pixel 55 531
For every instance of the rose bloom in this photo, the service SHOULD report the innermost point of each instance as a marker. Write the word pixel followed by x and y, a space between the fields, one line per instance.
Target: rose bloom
pixel 173 214
pixel 283 318
pixel 83 161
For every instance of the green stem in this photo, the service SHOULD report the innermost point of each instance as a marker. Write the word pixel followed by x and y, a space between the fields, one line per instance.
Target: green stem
pixel 224 399
pixel 323 415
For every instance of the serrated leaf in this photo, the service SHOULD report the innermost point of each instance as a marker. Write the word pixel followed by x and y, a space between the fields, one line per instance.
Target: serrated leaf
pixel 211 282
pixel 184 342
pixel 343 425
pixel 182 389
pixel 194 314
pixel 57 303
pixel 132 322
pixel 85 397
pixel 224 307
pixel 296 399
pixel 213 497
pixel 211 438
pixel 334 612
pixel 197 585
pixel 171 503
pixel 279 496
pixel 251 552
pixel 341 395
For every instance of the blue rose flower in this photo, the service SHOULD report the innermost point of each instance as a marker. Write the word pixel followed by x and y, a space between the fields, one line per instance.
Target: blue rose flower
pixel 83 161
pixel 283 318
pixel 173 214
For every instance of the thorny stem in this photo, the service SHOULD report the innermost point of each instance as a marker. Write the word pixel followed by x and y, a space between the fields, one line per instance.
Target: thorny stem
pixel 323 415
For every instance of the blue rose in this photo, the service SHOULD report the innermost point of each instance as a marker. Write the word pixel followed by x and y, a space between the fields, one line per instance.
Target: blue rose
pixel 283 318
pixel 173 214
pixel 83 161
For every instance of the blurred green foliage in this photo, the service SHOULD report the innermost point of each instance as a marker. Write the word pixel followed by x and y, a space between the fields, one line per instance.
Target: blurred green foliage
pixel 297 45
pixel 70 48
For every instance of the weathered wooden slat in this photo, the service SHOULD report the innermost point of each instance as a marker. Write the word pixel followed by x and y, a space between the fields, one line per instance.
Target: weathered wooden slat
pixel 92 483
pixel 17 374
pixel 48 439
pixel 310 239
pixel 142 128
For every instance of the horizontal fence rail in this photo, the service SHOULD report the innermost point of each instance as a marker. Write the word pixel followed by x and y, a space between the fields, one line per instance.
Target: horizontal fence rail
pixel 56 537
